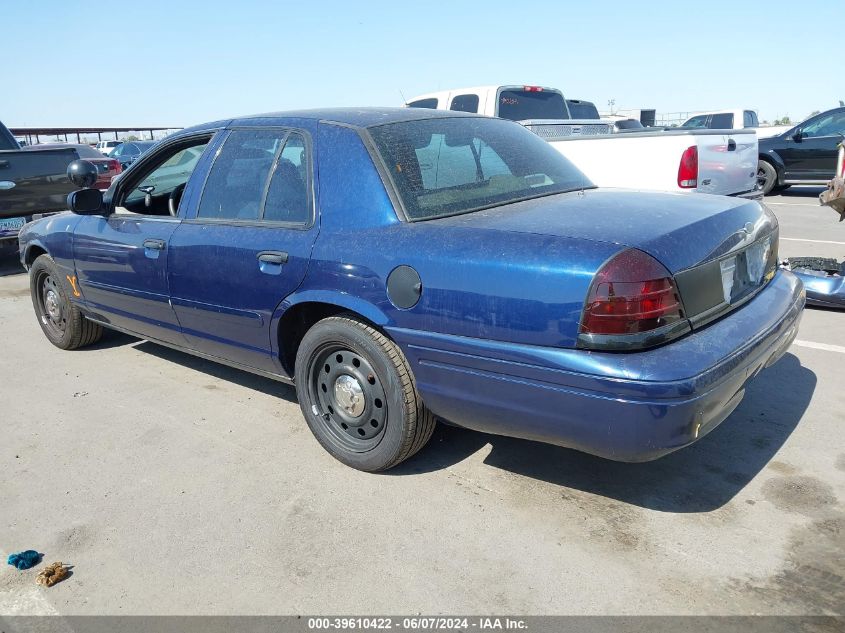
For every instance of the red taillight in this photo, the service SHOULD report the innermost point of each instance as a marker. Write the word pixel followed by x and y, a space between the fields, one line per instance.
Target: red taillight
pixel 114 165
pixel 632 293
pixel 532 88
pixel 688 169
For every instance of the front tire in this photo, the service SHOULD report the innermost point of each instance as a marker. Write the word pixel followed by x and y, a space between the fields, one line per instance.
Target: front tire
pixel 767 177
pixel 358 395
pixel 60 320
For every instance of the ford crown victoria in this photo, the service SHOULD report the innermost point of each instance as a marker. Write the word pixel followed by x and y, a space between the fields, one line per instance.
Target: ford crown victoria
pixel 401 266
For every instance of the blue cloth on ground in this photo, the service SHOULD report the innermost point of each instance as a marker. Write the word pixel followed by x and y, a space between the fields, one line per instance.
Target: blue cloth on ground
pixel 24 560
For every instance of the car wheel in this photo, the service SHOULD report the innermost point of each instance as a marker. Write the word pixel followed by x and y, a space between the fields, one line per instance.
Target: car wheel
pixel 767 177
pixel 358 395
pixel 61 321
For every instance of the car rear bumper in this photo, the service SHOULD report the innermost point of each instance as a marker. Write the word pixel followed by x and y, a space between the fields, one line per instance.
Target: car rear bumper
pixel 823 290
pixel 754 194
pixel 624 406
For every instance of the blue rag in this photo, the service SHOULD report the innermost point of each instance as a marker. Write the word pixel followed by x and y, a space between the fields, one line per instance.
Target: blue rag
pixel 24 560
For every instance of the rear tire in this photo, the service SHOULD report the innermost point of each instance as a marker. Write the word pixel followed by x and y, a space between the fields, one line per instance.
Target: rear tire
pixel 358 395
pixel 60 320
pixel 767 177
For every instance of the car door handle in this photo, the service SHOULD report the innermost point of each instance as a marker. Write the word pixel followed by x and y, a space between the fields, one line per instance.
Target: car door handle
pixel 273 257
pixel 4 164
pixel 731 145
pixel 270 262
pixel 155 245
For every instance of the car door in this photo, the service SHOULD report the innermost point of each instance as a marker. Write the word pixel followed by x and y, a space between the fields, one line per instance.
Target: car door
pixel 246 246
pixel 121 259
pixel 809 151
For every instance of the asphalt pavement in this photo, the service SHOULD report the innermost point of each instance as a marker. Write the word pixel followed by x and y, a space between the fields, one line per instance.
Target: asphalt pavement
pixel 173 485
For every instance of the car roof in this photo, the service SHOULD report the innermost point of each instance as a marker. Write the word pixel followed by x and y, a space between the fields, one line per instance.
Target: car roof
pixel 356 117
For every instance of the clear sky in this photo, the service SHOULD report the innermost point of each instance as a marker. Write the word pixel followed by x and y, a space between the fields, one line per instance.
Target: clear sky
pixel 179 63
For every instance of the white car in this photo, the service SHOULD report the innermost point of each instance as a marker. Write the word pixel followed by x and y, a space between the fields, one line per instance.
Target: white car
pixel 678 160
pixel 105 147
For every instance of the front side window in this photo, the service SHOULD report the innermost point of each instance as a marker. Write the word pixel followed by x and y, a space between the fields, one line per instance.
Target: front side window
pixel 447 166
pixel 164 180
pixel 826 125
pixel 465 103
pixel 697 121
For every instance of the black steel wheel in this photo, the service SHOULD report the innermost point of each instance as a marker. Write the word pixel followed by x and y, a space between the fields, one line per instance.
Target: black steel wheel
pixel 60 320
pixel 350 397
pixel 358 395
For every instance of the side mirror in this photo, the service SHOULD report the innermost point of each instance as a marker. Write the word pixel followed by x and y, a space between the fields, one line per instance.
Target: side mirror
pixel 82 173
pixel 85 201
pixel 798 136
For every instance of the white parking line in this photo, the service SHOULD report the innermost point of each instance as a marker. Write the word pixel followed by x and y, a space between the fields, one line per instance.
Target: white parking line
pixel 823 346
pixel 794 204
pixel 798 239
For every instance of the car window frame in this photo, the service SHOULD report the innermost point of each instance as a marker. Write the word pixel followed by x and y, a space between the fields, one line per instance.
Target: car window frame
pixel 818 117
pixel 129 183
pixel 261 222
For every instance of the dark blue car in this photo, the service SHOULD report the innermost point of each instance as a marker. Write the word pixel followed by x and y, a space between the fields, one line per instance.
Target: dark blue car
pixel 405 265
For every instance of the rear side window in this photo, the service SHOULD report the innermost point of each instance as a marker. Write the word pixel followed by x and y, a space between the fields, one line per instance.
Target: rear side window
pixel 749 119
pixel 521 105
pixel 287 195
pixel 465 103
pixel 431 104
pixel 236 182
pixel 259 175
pixel 721 121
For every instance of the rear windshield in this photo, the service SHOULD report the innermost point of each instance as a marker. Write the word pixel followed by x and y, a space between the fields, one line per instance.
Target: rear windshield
pixel 520 105
pixel 582 110
pixel 447 166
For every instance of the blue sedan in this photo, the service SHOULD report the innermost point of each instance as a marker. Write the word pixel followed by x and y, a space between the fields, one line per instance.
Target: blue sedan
pixel 401 266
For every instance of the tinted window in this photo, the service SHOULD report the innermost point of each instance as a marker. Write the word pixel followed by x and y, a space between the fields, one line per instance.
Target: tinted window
pixel 721 121
pixel 465 103
pixel 85 151
pixel 431 104
pixel 519 105
pixel 287 196
pixel 749 119
pixel 629 124
pixel 826 125
pixel 131 149
pixel 582 109
pixel 237 179
pixel 697 121
pixel 446 166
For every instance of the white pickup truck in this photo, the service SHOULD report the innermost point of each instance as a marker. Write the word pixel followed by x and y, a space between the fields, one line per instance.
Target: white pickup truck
pixel 737 119
pixel 704 161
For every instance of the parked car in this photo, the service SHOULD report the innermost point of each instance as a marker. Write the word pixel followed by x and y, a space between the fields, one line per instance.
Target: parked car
pixel 107 168
pixel 105 147
pixel 404 265
pixel 677 160
pixel 803 155
pixel 128 152
pixel 33 182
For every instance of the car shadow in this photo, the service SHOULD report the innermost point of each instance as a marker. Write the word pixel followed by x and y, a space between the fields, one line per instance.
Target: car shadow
pixel 699 478
pixel 802 191
pixel 240 377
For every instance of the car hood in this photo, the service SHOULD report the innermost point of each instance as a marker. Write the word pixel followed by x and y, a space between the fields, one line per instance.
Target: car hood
pixel 680 230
